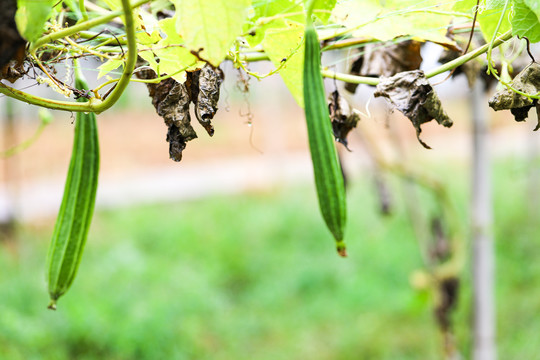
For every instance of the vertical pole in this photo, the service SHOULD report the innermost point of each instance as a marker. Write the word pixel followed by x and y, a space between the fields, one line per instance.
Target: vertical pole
pixel 533 160
pixel 8 217
pixel 483 264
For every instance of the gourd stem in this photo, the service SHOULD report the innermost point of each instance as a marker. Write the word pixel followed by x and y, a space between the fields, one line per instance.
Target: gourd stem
pixel 309 10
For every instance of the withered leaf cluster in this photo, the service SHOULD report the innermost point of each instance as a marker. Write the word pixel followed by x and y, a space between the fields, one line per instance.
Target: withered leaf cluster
pixel 172 102
pixel 527 81
pixel 386 59
pixel 411 93
pixel 344 117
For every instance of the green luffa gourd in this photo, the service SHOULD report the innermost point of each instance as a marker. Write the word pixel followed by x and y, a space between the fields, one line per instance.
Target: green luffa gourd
pixel 77 208
pixel 328 177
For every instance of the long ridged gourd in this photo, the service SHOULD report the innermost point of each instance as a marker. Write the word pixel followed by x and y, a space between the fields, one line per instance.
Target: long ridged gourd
pixel 327 170
pixel 77 208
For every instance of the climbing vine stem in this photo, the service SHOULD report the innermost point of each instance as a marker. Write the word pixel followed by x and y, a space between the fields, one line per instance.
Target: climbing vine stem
pixel 97 105
pixel 439 70
pixel 94 105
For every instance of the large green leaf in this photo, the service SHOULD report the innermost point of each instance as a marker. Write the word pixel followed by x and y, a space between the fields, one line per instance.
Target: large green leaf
pixel 370 19
pixel 288 44
pixel 489 15
pixel 173 56
pixel 323 9
pixel 466 6
pixel 109 66
pixel 148 31
pixel 534 5
pixel 272 14
pixel 285 9
pixel 210 26
pixel 525 21
pixel 31 17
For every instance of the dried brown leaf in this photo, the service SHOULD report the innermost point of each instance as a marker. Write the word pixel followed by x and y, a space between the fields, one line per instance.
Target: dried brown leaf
pixel 344 117
pixel 527 81
pixel 355 70
pixel 411 93
pixel 210 80
pixel 172 99
pixel 386 59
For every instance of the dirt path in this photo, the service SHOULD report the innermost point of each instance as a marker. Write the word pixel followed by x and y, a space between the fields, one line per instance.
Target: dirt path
pixel 135 166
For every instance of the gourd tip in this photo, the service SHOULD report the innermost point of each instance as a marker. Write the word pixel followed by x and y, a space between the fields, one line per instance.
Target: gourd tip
pixel 52 305
pixel 341 250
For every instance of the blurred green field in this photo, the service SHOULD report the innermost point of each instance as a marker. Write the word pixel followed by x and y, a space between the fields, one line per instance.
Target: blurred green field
pixel 255 276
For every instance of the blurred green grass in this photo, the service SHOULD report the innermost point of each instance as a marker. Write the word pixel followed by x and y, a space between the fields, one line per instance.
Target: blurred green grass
pixel 255 276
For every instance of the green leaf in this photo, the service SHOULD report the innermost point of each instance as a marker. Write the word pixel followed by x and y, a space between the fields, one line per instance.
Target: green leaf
pixel 159 5
pixel 534 5
pixel 396 18
pixel 323 9
pixel 288 44
pixel 149 56
pixel 113 4
pixel 466 6
pixel 355 13
pixel 148 33
pixel 74 11
pixel 525 22
pixel 488 17
pixel 494 4
pixel 31 17
pixel 272 15
pixel 144 38
pixel 286 9
pixel 144 30
pixel 168 27
pixel 210 26
pixel 109 66
pixel 172 54
pixel 489 13
pixel 174 59
pixel 407 4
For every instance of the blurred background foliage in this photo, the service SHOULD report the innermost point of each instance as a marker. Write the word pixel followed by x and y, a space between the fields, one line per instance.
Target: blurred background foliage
pixel 255 276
